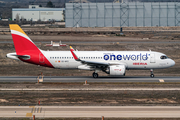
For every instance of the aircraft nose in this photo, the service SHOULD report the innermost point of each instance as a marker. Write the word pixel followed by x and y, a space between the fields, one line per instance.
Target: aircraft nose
pixel 172 63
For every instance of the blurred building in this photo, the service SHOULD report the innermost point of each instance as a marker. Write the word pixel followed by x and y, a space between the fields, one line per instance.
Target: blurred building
pixel 35 13
pixel 122 14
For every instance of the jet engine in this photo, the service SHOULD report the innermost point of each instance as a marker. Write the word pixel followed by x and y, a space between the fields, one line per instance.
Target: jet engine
pixel 117 70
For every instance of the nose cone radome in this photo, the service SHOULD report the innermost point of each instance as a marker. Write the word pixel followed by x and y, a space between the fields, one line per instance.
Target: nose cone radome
pixel 172 63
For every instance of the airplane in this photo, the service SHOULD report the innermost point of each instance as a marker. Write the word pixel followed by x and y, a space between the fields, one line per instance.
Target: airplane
pixel 114 63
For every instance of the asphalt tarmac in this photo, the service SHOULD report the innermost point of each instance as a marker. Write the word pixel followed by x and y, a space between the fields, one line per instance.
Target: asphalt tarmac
pixel 105 42
pixel 91 111
pixel 72 79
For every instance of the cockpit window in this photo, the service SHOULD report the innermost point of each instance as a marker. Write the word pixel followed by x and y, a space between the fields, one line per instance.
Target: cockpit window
pixel 163 57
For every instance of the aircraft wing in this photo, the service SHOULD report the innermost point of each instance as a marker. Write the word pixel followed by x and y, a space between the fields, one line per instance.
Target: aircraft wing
pixel 94 63
pixel 91 63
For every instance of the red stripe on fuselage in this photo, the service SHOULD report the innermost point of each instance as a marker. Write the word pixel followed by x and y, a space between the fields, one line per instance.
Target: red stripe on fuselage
pixel 24 46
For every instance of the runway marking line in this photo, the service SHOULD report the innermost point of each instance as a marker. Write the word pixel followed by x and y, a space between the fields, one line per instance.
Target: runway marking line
pixel 33 110
pixel 31 106
pixel 28 114
pixel 40 109
pixel 161 80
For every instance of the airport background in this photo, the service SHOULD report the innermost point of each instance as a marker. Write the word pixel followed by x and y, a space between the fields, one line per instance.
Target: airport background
pixel 123 14
pixel 96 13
pixel 22 94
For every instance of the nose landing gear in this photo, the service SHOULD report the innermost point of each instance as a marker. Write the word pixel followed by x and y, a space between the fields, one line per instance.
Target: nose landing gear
pixel 152 75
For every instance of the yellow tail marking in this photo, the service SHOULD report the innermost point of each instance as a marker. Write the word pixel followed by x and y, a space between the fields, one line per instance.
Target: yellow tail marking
pixel 17 28
pixel 28 114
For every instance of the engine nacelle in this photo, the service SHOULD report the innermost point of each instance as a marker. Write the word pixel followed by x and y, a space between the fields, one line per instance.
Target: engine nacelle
pixel 117 70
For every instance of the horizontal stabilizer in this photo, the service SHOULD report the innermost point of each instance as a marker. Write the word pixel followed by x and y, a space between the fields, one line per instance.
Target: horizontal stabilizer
pixel 16 57
pixel 25 57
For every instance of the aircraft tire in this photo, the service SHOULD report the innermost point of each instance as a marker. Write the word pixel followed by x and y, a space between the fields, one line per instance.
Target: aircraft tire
pixel 152 75
pixel 95 75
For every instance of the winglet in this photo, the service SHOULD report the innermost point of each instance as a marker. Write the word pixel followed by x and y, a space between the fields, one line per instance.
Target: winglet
pixel 74 55
pixel 71 48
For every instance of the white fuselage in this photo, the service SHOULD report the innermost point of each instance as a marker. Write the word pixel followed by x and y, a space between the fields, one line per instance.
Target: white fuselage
pixel 131 59
pixel 110 62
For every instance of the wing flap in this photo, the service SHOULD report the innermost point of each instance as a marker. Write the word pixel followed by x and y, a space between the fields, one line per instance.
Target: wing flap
pixel 94 63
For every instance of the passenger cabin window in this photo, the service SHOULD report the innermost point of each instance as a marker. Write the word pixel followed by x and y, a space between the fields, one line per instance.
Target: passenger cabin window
pixel 163 57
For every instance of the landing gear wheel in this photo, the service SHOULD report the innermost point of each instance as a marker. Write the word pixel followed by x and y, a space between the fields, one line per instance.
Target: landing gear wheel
pixel 95 75
pixel 152 75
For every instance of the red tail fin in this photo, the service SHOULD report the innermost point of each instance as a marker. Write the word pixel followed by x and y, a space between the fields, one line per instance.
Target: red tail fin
pixel 26 50
pixel 22 42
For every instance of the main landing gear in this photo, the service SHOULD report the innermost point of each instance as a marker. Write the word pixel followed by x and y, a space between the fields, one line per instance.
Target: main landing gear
pixel 95 75
pixel 152 75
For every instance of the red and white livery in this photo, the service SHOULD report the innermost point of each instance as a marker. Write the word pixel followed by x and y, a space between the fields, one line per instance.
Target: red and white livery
pixel 110 62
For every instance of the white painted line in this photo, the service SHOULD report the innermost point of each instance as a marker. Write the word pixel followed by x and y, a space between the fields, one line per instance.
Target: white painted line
pixel 95 111
pixel 82 89
pixel 161 80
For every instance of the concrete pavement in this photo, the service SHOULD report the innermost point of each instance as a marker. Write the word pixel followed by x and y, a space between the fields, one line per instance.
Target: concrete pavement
pixel 91 111
pixel 89 79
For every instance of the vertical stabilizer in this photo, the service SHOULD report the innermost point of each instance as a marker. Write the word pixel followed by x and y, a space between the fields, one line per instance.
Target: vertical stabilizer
pixel 22 42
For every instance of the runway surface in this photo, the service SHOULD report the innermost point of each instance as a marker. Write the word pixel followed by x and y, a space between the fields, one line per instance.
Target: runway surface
pixel 88 89
pixel 105 42
pixel 91 111
pixel 88 78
